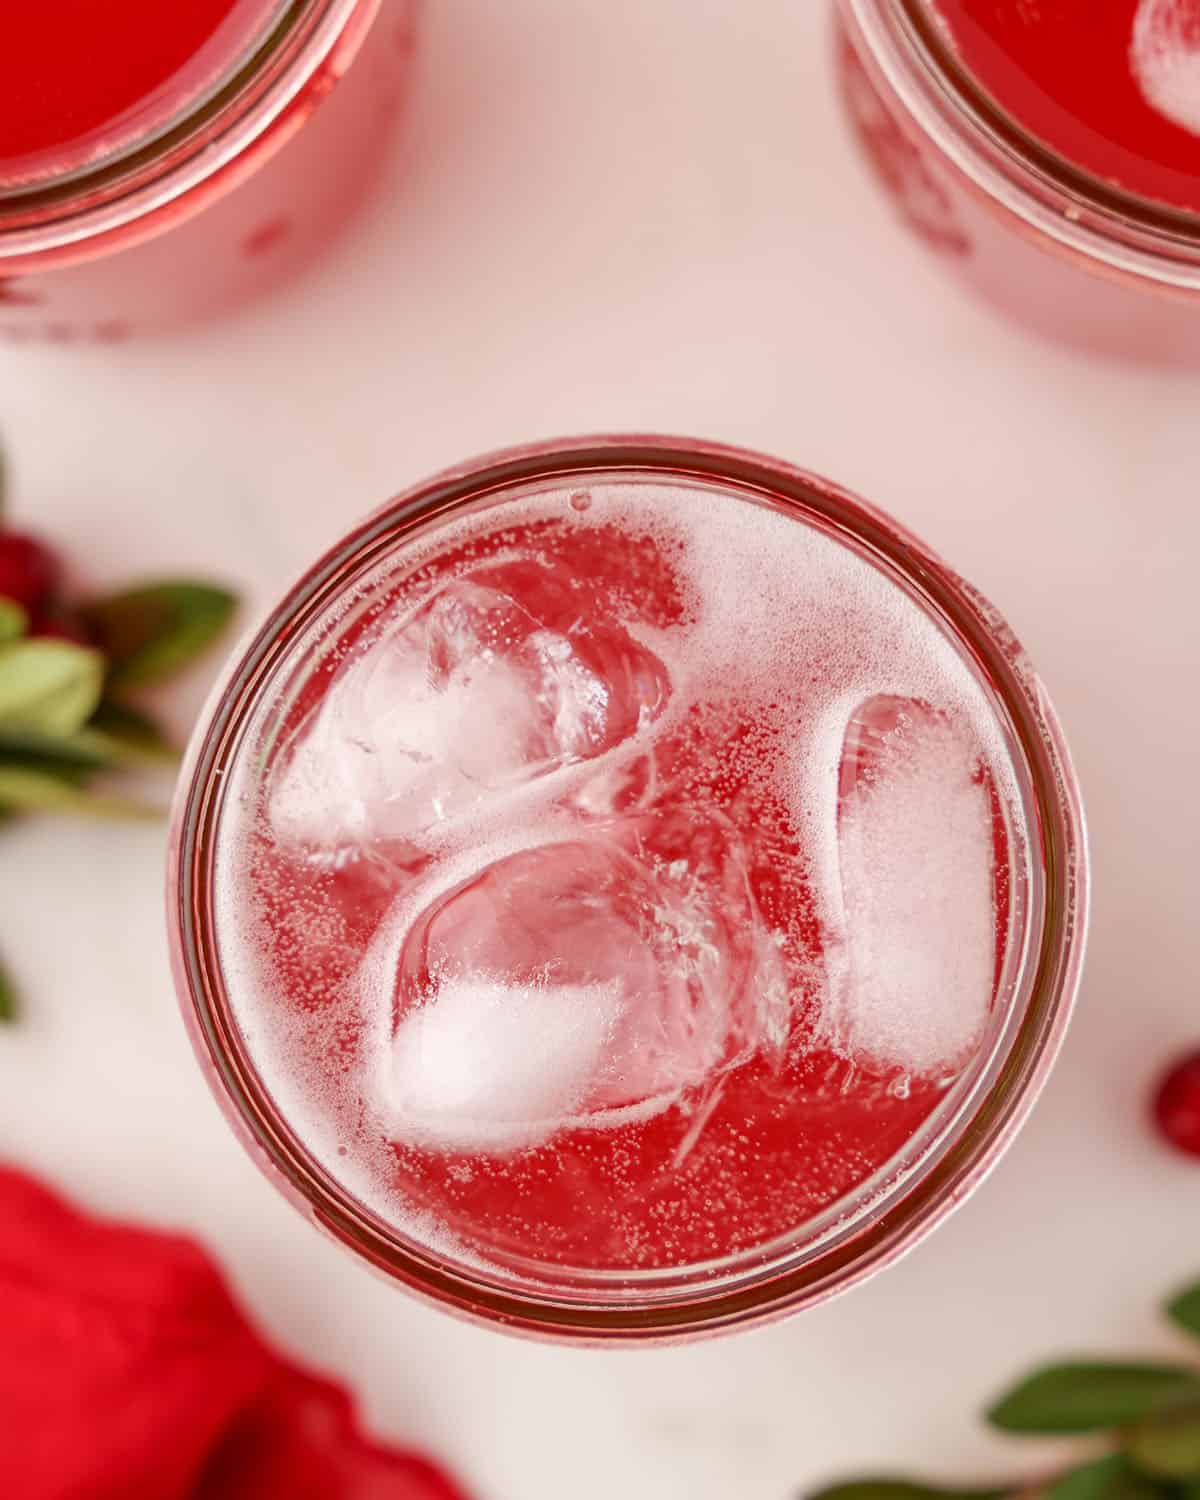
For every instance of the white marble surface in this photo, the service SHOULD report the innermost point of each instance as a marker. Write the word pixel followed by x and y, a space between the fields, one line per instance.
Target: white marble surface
pixel 645 214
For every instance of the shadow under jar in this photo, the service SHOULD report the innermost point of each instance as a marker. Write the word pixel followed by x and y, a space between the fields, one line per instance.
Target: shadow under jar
pixel 628 889
pixel 140 197
pixel 1049 153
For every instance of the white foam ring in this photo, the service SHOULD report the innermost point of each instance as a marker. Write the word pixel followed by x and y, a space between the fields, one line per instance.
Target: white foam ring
pixel 1165 54
pixel 781 620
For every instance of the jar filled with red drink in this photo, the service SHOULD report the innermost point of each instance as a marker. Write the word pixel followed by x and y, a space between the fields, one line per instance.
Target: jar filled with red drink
pixel 143 180
pixel 1049 150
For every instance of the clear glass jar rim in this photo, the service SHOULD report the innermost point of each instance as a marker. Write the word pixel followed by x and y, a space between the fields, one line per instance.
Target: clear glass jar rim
pixel 1118 230
pixel 936 1184
pixel 59 221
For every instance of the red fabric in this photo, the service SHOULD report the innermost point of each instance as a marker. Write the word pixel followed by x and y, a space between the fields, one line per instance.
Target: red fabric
pixel 127 1372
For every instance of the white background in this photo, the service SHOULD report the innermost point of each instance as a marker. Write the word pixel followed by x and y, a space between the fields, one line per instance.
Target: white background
pixel 606 214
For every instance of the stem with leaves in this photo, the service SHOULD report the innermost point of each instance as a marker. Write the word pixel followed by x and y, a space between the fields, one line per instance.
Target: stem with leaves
pixel 1151 1413
pixel 66 722
pixel 66 673
pixel 65 717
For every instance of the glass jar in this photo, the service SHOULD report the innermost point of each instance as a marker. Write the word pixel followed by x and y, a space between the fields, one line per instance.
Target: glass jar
pixel 1065 253
pixel 1043 915
pixel 215 210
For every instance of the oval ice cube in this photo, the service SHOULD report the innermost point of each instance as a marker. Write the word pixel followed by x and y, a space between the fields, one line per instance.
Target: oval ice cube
pixel 912 968
pixel 607 975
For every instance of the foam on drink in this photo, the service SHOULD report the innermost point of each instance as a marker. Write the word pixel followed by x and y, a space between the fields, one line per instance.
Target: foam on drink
pixel 632 934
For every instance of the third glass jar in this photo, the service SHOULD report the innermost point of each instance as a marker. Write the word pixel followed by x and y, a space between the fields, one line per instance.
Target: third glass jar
pixel 1061 248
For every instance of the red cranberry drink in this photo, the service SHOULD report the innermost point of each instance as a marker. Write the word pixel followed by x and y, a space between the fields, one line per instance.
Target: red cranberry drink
pixel 1112 86
pixel 121 120
pixel 630 875
pixel 79 80
pixel 614 899
pixel 1050 149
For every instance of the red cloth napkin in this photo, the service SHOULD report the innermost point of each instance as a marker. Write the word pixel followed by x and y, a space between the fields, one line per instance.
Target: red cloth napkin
pixel 127 1372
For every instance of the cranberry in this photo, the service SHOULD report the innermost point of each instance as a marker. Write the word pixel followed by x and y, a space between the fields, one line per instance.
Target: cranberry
pixel 28 569
pixel 61 628
pixel 1177 1105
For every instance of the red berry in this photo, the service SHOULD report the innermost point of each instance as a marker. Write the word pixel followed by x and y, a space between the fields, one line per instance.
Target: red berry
pixel 28 569
pixel 1177 1105
pixel 60 628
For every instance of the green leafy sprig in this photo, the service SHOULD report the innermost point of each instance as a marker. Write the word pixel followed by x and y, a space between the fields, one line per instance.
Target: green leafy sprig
pixel 1150 1413
pixel 65 717
pixel 71 731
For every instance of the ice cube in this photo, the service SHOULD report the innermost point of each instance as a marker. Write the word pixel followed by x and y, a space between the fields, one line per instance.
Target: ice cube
pixel 608 975
pixel 489 1066
pixel 1165 57
pixel 493 681
pixel 912 969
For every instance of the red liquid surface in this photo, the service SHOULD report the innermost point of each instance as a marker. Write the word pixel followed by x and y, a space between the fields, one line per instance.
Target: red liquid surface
pixel 789 1131
pixel 1064 71
pixel 79 76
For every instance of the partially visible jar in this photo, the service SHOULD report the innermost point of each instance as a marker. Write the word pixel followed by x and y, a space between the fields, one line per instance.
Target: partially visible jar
pixel 229 202
pixel 1071 256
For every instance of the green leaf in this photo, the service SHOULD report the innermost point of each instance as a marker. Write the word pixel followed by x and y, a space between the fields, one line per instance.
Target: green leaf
pixel 149 633
pixel 136 733
pixel 901 1489
pixel 25 789
pixel 1184 1310
pixel 48 686
pixel 81 751
pixel 8 999
pixel 1091 1397
pixel 1109 1478
pixel 86 750
pixel 130 742
pixel 1168 1446
pixel 14 622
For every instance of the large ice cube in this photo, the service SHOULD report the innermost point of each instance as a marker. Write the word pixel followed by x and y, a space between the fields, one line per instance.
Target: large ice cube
pixel 496 679
pixel 580 983
pixel 912 969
